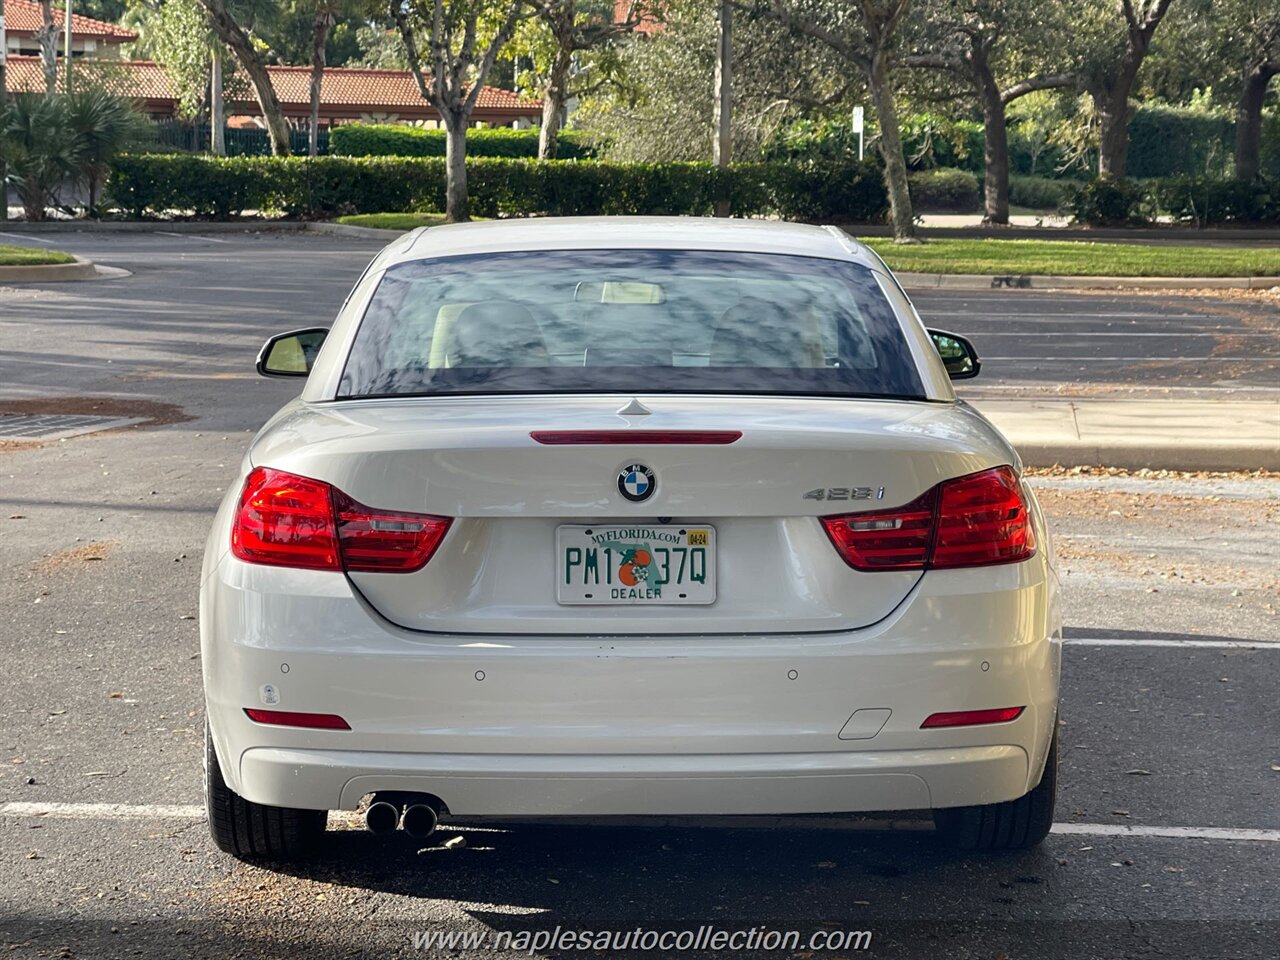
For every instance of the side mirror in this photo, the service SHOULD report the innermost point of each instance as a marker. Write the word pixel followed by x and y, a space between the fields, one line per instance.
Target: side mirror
pixel 959 356
pixel 291 354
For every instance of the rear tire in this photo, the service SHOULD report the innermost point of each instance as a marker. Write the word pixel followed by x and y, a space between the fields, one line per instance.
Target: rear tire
pixel 255 831
pixel 1019 824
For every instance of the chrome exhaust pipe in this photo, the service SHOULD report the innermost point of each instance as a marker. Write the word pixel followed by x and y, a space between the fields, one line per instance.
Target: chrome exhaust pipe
pixel 381 818
pixel 419 821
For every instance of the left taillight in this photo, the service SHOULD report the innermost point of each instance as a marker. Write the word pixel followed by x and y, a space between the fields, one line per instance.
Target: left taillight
pixel 284 520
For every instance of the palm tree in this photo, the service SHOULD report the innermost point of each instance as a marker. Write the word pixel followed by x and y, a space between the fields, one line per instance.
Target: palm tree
pixel 39 149
pixel 103 124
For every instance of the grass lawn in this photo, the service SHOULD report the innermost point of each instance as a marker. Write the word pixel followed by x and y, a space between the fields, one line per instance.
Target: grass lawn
pixel 11 256
pixel 393 221
pixel 1077 258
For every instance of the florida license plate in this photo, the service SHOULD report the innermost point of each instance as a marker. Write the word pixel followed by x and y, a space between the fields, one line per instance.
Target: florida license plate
pixel 636 564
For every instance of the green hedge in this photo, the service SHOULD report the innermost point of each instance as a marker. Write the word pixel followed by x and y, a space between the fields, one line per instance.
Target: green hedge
pixel 944 191
pixel 1202 201
pixel 1175 140
pixel 1040 193
pixel 324 187
pixel 398 140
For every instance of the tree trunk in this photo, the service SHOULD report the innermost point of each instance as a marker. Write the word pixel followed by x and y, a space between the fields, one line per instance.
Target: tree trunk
pixel 319 38
pixel 1113 123
pixel 722 103
pixel 217 112
pixel 455 196
pixel 1249 119
pixel 553 98
pixel 995 149
pixel 238 42
pixel 895 164
pixel 47 36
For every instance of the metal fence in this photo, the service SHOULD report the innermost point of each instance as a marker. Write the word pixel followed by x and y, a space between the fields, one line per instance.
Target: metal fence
pixel 241 142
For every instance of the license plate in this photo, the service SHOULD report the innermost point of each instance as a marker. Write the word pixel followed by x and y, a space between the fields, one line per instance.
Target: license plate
pixel 636 564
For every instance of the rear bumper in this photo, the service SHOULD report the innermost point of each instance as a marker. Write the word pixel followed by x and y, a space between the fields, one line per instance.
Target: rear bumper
pixel 675 785
pixel 667 725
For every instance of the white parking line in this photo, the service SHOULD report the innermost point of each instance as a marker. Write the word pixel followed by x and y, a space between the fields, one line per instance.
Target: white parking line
pixel 1171 833
pixel 190 236
pixel 1135 642
pixel 27 236
pixel 143 811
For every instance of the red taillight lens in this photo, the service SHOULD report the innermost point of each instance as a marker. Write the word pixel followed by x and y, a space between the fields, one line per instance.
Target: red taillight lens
pixel 887 539
pixel 375 541
pixel 972 521
pixel 289 521
pixel 288 718
pixel 982 520
pixel 285 521
pixel 971 718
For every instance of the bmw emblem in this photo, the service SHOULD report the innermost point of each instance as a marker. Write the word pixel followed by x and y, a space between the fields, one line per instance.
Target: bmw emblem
pixel 636 482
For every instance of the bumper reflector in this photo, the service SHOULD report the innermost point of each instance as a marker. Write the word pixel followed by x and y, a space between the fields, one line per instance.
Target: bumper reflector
pixel 972 718
pixel 287 718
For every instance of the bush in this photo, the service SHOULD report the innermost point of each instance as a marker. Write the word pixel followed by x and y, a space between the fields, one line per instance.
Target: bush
pixel 1204 201
pixel 324 187
pixel 1110 202
pixel 944 191
pixel 398 140
pixel 1179 140
pixel 1040 193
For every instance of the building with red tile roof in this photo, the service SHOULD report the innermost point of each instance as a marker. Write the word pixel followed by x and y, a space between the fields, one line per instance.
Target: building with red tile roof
pixel 89 37
pixel 346 94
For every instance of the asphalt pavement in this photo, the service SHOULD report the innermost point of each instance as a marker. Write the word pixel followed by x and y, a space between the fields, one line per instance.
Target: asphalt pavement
pixel 1169 824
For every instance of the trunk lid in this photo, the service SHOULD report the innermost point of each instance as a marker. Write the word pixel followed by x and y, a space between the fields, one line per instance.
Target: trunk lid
pixel 775 571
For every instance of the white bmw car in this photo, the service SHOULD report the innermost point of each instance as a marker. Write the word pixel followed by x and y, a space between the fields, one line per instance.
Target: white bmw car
pixel 627 516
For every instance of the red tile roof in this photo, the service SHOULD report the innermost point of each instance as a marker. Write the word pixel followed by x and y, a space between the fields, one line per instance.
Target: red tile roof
pixel 647 23
pixel 24 17
pixel 358 86
pixel 344 91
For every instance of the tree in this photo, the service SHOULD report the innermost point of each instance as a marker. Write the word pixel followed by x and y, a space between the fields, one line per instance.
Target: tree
pixel 979 39
pixel 574 27
pixel 47 36
pixel 102 124
pixel 462 40
pixel 1112 54
pixel 1252 31
pixel 39 149
pixel 864 33
pixel 177 35
pixel 646 98
pixel 237 40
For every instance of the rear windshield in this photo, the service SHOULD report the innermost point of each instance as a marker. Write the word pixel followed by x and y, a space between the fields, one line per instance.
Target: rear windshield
pixel 630 321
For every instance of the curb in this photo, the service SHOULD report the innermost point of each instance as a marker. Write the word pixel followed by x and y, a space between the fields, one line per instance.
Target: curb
pixel 348 230
pixel 970 281
pixel 1157 236
pixel 81 269
pixel 1135 455
pixel 153 226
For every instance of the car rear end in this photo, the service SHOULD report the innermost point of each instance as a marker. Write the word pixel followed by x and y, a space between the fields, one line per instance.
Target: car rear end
pixel 570 557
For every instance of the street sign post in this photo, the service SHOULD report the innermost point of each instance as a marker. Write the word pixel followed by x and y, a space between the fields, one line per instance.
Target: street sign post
pixel 858 123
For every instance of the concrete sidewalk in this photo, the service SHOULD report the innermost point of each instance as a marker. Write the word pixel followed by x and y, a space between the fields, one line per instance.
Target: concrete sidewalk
pixel 1137 434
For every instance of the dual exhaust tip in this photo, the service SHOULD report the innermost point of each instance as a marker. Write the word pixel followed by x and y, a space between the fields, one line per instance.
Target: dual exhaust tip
pixel 419 820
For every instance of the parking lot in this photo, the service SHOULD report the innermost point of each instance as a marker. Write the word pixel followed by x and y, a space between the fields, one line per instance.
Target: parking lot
pixel 1169 816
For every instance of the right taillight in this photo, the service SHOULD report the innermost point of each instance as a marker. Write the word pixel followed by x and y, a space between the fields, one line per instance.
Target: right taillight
pixel 972 521
pixel 284 520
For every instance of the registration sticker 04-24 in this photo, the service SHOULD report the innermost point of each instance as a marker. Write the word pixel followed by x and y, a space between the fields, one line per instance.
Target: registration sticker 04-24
pixel 636 564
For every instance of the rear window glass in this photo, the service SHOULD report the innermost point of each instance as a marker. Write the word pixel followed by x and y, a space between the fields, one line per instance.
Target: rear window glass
pixel 629 321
